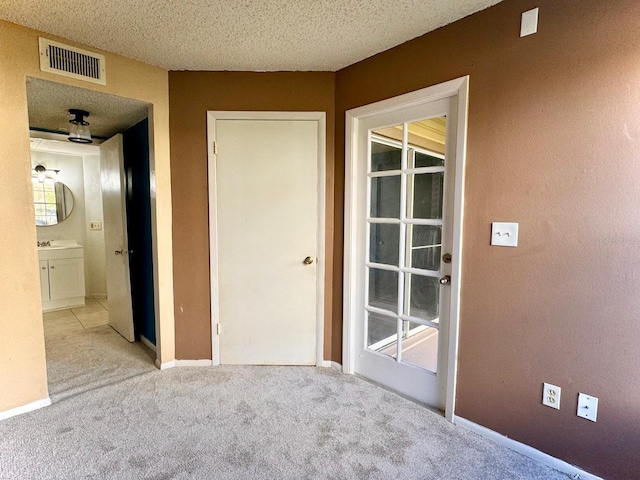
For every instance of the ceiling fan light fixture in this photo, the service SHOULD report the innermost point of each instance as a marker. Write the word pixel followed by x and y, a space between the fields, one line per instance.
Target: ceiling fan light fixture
pixel 79 130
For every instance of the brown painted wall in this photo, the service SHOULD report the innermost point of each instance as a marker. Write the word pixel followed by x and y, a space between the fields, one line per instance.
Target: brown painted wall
pixel 192 94
pixel 554 144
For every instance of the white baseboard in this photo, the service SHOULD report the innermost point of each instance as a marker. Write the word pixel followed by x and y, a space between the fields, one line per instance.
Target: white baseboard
pixel 146 341
pixel 526 450
pixel 194 363
pixel 332 364
pixel 64 304
pixel 165 366
pixel 29 407
pixel 209 363
pixel 184 363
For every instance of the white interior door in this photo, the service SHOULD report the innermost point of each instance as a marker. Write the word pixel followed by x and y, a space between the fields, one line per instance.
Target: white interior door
pixel 266 203
pixel 406 178
pixel 115 237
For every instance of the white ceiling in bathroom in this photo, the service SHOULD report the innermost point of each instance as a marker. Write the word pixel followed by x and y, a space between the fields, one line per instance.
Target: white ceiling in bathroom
pixel 62 146
pixel 266 35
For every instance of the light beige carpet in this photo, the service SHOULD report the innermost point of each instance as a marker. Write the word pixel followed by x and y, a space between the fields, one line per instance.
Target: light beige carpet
pixel 115 416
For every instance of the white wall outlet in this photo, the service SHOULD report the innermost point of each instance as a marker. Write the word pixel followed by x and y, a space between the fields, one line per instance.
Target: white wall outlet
pixel 587 406
pixel 96 226
pixel 504 234
pixel 551 396
pixel 529 22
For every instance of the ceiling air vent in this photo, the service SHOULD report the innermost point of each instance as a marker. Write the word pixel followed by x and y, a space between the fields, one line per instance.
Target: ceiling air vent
pixel 71 62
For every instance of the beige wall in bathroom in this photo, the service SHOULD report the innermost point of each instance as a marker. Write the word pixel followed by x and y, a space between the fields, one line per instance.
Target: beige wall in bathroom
pixel 81 173
pixel 72 175
pixel 95 263
pixel 22 356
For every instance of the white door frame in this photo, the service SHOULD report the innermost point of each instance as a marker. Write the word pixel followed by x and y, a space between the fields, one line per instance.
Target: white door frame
pixel 320 118
pixel 460 88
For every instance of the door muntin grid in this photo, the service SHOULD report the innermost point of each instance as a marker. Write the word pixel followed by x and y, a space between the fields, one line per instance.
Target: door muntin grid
pixel 405 198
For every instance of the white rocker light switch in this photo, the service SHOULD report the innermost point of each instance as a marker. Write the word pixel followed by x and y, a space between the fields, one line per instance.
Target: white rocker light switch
pixel 504 234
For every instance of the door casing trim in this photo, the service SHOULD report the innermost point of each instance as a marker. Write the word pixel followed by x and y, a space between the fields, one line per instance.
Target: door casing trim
pixel 320 118
pixel 458 87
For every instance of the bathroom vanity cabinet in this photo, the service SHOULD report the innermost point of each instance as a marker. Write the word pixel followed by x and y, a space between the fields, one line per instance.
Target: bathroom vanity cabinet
pixel 61 277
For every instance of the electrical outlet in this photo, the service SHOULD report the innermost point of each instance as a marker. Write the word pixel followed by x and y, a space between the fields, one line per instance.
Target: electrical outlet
pixel 96 226
pixel 551 396
pixel 587 406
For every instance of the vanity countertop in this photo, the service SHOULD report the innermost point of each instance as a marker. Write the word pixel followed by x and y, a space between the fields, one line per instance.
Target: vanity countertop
pixel 59 244
pixel 60 249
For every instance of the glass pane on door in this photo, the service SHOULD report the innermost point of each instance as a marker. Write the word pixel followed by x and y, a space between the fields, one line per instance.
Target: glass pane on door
pixel 424 195
pixel 422 296
pixel 420 346
pixel 382 332
pixel 383 289
pixel 385 197
pixel 385 156
pixel 424 247
pixel 384 243
pixel 427 137
pixel 421 159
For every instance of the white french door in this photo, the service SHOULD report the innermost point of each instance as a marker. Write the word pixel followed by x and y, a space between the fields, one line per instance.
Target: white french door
pixel 405 247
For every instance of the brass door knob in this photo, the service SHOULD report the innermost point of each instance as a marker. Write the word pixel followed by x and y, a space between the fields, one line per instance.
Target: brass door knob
pixel 446 280
pixel 308 261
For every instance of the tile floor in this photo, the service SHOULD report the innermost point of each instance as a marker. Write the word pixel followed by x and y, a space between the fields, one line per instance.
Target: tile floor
pixel 93 314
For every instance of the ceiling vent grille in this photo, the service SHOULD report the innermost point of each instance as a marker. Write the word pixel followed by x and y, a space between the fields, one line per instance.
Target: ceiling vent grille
pixel 72 62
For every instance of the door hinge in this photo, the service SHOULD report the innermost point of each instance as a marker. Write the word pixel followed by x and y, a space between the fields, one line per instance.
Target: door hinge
pixel 215 148
pixel 218 329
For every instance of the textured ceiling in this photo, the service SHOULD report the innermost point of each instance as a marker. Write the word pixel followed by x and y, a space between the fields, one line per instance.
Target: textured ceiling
pixel 49 102
pixel 244 35
pixel 62 146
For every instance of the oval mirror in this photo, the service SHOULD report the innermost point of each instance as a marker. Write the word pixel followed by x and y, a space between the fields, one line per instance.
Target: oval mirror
pixel 53 202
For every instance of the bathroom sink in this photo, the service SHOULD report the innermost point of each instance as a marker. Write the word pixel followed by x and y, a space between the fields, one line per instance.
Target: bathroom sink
pixel 56 251
pixel 58 247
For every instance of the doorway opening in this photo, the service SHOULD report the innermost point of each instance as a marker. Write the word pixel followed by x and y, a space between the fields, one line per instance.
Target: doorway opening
pixel 403 241
pixel 80 292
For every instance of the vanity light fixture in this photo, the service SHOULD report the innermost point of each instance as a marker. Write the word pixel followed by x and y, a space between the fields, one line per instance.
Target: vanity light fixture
pixel 79 130
pixel 41 172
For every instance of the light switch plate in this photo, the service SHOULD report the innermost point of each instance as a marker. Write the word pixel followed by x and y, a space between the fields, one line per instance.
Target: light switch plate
pixel 529 22
pixel 504 234
pixel 587 406
pixel 96 226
